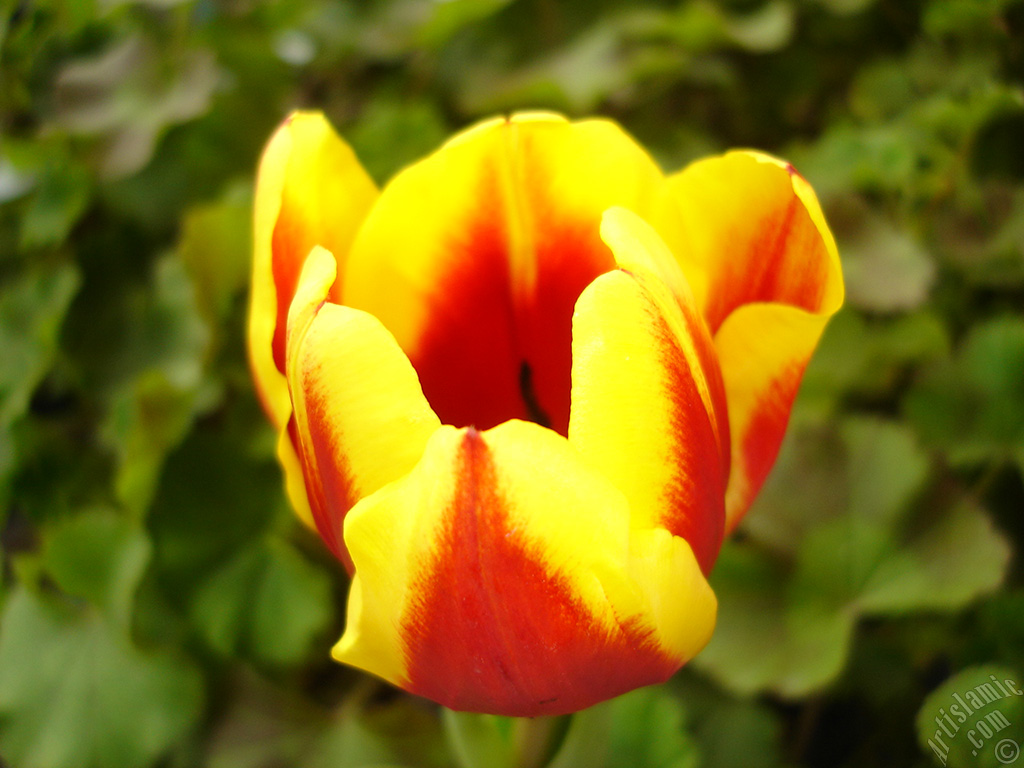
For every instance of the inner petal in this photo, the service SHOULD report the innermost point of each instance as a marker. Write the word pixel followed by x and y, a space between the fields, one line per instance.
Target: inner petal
pixel 474 259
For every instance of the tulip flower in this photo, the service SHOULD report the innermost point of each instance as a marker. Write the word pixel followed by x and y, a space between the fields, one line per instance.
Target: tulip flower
pixel 525 390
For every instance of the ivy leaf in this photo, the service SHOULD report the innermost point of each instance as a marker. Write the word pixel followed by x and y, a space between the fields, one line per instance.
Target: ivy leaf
pixel 129 97
pixel 768 28
pixel 885 468
pixel 267 602
pixel 161 388
pixel 975 719
pixel 973 405
pixel 216 249
pixel 954 561
pixel 32 309
pixel 394 131
pixel 786 623
pixel 75 694
pixel 101 557
pixel 212 477
pixel 61 196
pixel 765 639
pixel 886 269
pixel 145 421
pixel 449 17
pixel 729 731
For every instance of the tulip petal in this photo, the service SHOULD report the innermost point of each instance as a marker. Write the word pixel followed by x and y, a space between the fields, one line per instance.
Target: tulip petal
pixel 360 415
pixel 648 405
pixel 310 190
pixel 501 576
pixel 763 350
pixel 475 256
pixel 753 232
pixel 765 271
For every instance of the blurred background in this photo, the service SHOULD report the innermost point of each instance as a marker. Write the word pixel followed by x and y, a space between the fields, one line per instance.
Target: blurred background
pixel 159 605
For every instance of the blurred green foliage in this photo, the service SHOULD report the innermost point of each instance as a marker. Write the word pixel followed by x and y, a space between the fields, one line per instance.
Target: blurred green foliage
pixel 158 603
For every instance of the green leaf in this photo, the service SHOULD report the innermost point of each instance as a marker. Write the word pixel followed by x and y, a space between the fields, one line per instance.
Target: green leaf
pixel 648 731
pixel 806 486
pixel 169 334
pixel 986 248
pixel 951 563
pixel 14 181
pixel 74 694
pixel 729 731
pixel 128 96
pixel 786 625
pixel 885 466
pixel 975 719
pixel 882 90
pixel 100 557
pixel 577 76
pixel 973 405
pixel 363 734
pixel 695 27
pixel 32 308
pixel 767 29
pixel 886 268
pixel 214 498
pixel 764 639
pixel 262 724
pixel 393 132
pixel 216 249
pixel 61 196
pixel 161 387
pixel 868 358
pixel 146 420
pixel 868 470
pixel 267 602
pixel 1000 626
pixel 449 17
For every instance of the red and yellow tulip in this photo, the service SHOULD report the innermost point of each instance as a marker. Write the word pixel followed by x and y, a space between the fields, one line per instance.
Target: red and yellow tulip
pixel 525 389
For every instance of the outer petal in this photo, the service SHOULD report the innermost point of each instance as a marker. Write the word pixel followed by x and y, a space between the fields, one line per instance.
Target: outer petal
pixel 360 419
pixel 475 256
pixel 501 576
pixel 311 190
pixel 648 406
pixel 763 350
pixel 753 232
pixel 766 273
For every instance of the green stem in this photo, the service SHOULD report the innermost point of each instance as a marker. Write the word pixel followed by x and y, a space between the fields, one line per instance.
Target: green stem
pixel 536 739
pixel 489 741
